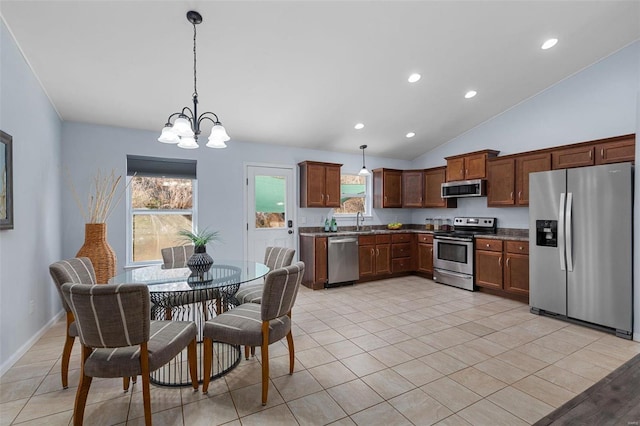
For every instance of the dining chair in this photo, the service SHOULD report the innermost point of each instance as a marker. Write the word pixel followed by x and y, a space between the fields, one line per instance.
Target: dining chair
pixel 76 270
pixel 274 258
pixel 120 340
pixel 252 324
pixel 177 256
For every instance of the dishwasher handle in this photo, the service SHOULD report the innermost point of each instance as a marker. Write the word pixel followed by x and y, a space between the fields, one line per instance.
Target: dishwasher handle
pixel 340 240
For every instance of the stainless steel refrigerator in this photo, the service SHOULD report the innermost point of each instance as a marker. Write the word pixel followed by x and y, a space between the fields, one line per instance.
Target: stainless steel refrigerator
pixel 581 247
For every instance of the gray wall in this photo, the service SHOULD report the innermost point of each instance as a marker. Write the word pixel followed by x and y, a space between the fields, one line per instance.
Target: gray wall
pixel 28 299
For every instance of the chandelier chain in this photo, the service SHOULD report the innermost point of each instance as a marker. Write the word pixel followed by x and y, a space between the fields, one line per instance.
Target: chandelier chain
pixel 195 79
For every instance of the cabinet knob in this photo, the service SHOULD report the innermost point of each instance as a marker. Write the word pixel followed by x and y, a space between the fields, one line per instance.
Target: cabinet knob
pixel 601 152
pixel 590 154
pixel 327 197
pixel 511 196
pixel 521 248
pixel 488 245
pixel 500 261
pixel 519 195
pixel 508 261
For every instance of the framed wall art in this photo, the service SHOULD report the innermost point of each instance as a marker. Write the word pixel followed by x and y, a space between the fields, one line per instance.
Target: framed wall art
pixel 6 181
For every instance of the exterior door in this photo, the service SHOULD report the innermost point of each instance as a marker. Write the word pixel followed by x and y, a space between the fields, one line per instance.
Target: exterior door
pixel 270 209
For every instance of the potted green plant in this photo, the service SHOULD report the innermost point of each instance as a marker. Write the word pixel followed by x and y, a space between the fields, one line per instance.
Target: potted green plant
pixel 200 262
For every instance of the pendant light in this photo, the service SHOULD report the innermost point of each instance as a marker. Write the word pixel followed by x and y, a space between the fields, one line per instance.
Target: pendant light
pixel 185 128
pixel 364 171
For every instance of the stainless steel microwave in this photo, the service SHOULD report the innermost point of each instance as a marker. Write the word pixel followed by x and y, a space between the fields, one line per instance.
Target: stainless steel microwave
pixel 464 188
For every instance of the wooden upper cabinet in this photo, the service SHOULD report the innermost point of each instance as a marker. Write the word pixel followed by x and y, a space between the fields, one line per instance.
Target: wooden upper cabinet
pixel 412 188
pixel 433 180
pixel 565 158
pixel 617 151
pixel 469 166
pixel 319 184
pixel 501 179
pixel 526 164
pixel 387 188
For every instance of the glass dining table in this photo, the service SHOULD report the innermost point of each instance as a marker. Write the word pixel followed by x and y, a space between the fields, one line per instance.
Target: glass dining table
pixel 178 294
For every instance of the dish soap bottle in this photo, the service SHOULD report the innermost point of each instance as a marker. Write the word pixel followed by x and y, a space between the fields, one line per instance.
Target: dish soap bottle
pixel 326 225
pixel 334 225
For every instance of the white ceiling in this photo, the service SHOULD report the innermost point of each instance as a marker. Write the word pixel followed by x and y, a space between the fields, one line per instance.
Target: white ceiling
pixel 302 73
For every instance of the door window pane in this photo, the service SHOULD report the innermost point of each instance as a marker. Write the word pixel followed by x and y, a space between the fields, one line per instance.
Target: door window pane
pixel 270 198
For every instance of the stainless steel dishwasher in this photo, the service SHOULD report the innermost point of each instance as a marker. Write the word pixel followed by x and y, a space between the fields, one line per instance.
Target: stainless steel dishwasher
pixel 343 260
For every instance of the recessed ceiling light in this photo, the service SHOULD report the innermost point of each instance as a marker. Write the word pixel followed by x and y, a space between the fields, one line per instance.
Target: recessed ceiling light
pixel 549 43
pixel 414 77
pixel 410 134
pixel 359 126
pixel 470 94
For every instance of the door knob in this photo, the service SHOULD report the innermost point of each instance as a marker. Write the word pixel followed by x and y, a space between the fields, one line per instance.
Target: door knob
pixel 290 231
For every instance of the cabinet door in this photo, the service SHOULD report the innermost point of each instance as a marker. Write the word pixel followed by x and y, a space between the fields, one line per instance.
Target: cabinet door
pixel 525 165
pixel 516 273
pixel 366 260
pixel 383 259
pixel 433 180
pixel 475 166
pixel 321 259
pixel 455 169
pixel 332 186
pixel 392 196
pixel 572 157
pixel 501 181
pixel 315 185
pixel 412 189
pixel 425 258
pixel 616 152
pixel 489 269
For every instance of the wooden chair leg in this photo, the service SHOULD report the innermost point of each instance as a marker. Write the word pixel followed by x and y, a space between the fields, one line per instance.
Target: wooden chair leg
pixel 193 363
pixel 208 358
pixel 66 354
pixel 253 351
pixel 167 314
pixel 264 350
pixel 246 352
pixel 125 383
pixel 146 392
pixel 292 357
pixel 83 390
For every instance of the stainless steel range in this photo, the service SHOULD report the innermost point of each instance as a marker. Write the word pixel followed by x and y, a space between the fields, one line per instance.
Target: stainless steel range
pixel 453 251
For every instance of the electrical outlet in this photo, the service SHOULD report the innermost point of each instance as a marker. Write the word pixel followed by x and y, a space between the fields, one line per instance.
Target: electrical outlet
pixel 32 306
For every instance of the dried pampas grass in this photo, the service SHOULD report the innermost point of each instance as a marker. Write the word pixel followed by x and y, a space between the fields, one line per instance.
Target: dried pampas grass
pixel 101 199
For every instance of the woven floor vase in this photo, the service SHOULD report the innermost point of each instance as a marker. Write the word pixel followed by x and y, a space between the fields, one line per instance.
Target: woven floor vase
pixel 97 249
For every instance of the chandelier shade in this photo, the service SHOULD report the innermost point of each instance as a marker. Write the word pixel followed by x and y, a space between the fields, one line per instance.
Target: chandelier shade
pixel 185 128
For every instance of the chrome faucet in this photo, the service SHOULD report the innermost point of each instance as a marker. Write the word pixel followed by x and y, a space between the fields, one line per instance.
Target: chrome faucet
pixel 359 219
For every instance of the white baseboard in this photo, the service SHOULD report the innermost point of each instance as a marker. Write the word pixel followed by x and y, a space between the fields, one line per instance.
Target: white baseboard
pixel 29 343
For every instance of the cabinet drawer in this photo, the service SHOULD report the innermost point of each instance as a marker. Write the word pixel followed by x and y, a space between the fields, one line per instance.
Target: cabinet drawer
pixel 425 238
pixel 400 250
pixel 365 240
pixel 400 238
pixel 517 247
pixel 401 265
pixel 383 238
pixel 488 245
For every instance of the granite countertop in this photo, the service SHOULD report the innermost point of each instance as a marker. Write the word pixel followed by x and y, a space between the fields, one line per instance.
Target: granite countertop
pixel 502 233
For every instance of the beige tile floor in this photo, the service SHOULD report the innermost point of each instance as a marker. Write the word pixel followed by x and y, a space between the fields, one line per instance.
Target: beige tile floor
pixel 392 352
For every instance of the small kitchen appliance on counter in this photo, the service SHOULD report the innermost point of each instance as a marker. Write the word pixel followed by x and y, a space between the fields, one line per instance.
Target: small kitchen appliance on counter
pixel 453 250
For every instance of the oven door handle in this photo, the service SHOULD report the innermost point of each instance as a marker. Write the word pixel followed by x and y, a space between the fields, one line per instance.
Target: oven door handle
pixel 453 238
pixel 453 274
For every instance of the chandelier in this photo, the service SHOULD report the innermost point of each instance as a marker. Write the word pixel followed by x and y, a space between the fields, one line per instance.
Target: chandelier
pixel 185 128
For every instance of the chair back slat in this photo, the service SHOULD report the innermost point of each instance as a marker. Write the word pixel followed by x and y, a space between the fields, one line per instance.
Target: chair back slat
pixel 278 257
pixel 76 270
pixel 110 316
pixel 177 256
pixel 280 291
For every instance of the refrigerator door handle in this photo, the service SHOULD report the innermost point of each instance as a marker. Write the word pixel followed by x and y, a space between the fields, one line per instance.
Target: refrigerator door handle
pixel 568 233
pixel 561 248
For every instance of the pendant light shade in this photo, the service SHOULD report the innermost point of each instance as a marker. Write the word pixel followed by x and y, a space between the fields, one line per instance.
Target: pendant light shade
pixel 187 143
pixel 363 171
pixel 168 135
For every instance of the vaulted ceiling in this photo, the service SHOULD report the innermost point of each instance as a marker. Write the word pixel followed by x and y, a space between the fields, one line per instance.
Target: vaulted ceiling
pixel 303 73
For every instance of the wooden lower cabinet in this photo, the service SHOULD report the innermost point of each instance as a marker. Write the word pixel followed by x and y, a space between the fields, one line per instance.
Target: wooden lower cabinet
pixel 424 254
pixel 401 253
pixel 502 265
pixel 374 255
pixel 313 252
